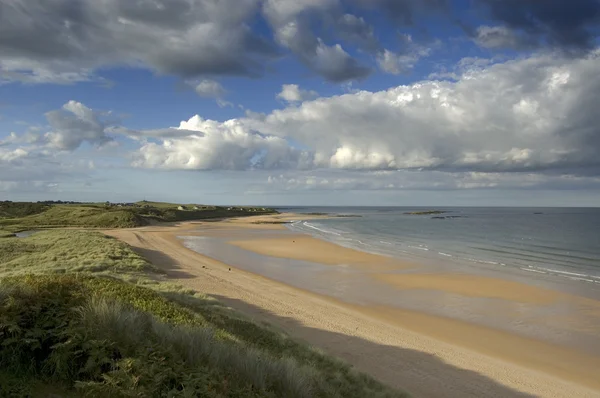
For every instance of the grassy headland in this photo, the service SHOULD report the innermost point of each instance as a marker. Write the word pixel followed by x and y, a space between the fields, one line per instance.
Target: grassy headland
pixel 20 216
pixel 81 314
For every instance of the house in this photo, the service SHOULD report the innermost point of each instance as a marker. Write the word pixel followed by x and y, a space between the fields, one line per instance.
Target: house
pixel 180 208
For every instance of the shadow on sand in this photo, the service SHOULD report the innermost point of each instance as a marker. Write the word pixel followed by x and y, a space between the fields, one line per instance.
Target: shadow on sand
pixel 421 374
pixel 163 262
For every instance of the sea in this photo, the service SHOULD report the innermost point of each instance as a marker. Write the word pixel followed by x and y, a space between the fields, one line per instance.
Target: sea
pixel 562 242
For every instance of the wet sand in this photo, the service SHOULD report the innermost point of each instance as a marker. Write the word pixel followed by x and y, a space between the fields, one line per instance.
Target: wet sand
pixel 427 355
pixel 307 248
pixel 481 286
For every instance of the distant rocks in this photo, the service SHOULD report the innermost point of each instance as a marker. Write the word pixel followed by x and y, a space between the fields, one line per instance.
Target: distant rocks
pixel 446 217
pixel 332 215
pixel 425 212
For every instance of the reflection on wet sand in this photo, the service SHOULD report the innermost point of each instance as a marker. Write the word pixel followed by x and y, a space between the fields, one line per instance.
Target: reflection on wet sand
pixel 372 280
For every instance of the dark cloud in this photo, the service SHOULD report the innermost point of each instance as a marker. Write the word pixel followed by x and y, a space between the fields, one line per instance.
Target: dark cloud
pixel 356 30
pixel 403 12
pixel 66 41
pixel 568 25
pixel 499 37
pixel 75 124
pixel 291 22
pixel 51 38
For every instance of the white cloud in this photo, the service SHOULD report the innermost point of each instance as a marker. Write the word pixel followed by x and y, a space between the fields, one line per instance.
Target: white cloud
pixel 213 145
pixel 293 93
pixel 495 124
pixel 12 155
pixel 520 115
pixel 396 63
pixel 532 114
pixel 223 103
pixel 210 89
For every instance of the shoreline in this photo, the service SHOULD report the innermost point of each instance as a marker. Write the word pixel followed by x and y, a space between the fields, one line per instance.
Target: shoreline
pixel 421 353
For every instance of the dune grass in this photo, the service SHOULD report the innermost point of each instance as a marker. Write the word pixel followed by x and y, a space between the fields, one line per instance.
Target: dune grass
pixel 74 216
pixel 6 234
pixel 72 328
pixel 21 209
pixel 62 251
pixel 20 216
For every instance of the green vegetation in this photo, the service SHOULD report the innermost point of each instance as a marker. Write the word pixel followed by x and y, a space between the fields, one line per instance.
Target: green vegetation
pixel 20 209
pixel 81 314
pixel 61 251
pixel 426 212
pixel 21 216
pixel 6 234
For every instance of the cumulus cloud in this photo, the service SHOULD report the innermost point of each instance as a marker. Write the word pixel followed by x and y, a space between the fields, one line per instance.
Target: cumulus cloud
pixel 209 89
pixel 499 118
pixel 535 114
pixel 293 30
pixel 73 125
pixel 530 122
pixel 293 93
pixel 530 115
pixel 208 145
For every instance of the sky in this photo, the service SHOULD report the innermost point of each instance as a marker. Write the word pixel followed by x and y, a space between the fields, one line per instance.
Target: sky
pixel 301 102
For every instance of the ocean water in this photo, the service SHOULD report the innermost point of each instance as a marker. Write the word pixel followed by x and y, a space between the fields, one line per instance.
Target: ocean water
pixel 564 242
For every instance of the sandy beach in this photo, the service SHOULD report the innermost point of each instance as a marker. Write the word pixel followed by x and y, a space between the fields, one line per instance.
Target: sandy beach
pixel 424 354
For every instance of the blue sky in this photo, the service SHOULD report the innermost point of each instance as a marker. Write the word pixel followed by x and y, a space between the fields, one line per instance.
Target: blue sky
pixel 289 102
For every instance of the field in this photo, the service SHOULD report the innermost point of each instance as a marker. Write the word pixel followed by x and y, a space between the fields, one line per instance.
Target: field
pixel 22 216
pixel 81 314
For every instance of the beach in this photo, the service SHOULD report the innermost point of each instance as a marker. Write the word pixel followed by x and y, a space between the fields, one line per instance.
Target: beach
pixel 427 353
